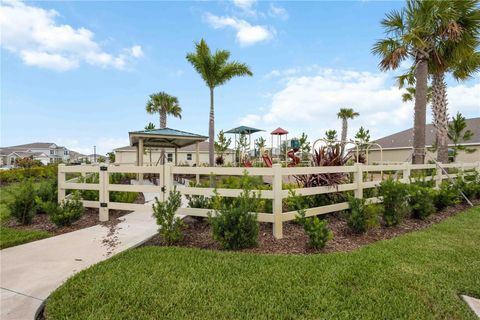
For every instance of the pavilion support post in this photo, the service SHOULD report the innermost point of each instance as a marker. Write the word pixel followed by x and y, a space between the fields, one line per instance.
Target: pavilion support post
pixel 140 159
pixel 137 160
pixel 197 160
pixel 176 156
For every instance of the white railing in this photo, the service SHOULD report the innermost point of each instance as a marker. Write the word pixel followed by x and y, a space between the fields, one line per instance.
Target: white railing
pixel 362 177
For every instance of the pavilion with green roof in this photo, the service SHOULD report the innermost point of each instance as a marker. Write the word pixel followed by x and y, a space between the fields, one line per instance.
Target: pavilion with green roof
pixel 164 138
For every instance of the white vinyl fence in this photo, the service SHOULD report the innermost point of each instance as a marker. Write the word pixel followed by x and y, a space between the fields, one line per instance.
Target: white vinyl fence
pixel 363 177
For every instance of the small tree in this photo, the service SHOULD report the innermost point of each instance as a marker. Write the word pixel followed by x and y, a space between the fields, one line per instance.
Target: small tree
pixel 221 146
pixel 260 143
pixel 111 157
pixel 458 134
pixel 305 147
pixel 23 205
pixel 170 225
pixel 331 137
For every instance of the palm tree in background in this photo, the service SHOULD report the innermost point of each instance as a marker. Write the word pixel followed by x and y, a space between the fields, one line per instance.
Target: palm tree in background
pixel 163 104
pixel 346 114
pixel 412 33
pixel 215 70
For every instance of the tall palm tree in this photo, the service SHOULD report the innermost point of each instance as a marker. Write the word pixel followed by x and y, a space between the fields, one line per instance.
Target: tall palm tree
pixel 215 70
pixel 455 52
pixel 345 114
pixel 163 104
pixel 411 33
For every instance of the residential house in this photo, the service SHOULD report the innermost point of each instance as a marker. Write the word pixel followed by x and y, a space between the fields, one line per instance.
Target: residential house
pixel 397 147
pixel 186 155
pixel 46 152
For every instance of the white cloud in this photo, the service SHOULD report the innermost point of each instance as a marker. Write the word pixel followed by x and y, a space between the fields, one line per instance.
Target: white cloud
pixel 33 34
pixel 247 34
pixel 310 103
pixel 278 12
pixel 111 143
pixel 246 6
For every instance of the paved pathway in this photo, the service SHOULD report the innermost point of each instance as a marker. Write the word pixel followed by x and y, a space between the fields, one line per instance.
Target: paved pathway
pixel 30 272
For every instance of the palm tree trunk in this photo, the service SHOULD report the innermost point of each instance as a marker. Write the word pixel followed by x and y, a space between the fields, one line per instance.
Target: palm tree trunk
pixel 420 112
pixel 440 115
pixel 344 133
pixel 211 133
pixel 163 125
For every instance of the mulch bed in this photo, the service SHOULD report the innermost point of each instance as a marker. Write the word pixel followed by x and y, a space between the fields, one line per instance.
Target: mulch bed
pixel 198 234
pixel 89 218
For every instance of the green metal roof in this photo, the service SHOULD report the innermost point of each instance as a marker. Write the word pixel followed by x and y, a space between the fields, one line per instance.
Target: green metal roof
pixel 243 130
pixel 166 138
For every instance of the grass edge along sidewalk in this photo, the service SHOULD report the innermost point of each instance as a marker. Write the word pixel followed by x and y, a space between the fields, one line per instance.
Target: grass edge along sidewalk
pixel 418 275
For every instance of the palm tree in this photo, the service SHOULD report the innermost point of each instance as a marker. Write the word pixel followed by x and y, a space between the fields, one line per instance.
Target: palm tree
pixel 412 32
pixel 345 114
pixel 215 70
pixel 164 104
pixel 455 52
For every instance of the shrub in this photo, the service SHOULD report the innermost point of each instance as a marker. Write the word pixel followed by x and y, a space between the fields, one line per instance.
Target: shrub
pixel 23 205
pixel 46 192
pixel 123 196
pixel 361 216
pixel 235 225
pixel 21 174
pixel 67 212
pixel 395 201
pixel 421 201
pixel 316 230
pixel 447 195
pixel 170 225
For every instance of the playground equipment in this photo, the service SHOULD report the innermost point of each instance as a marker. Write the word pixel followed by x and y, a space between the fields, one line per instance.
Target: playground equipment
pixel 279 132
pixel 295 146
pixel 248 131
pixel 266 158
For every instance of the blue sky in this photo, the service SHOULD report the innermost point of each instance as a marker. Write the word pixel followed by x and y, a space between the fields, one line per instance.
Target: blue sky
pixel 79 73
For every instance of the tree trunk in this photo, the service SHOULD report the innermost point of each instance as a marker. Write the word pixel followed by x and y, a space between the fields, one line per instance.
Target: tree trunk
pixel 440 116
pixel 344 133
pixel 163 125
pixel 211 133
pixel 420 112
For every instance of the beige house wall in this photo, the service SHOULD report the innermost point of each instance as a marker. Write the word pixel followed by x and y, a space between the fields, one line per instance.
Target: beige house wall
pixel 124 157
pixel 401 155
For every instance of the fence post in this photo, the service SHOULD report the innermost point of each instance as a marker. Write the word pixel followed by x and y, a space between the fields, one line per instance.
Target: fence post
pixel 438 176
pixel 358 179
pixel 61 181
pixel 277 201
pixel 406 172
pixel 103 193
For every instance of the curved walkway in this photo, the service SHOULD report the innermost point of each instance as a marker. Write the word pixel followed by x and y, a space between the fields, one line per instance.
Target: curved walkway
pixel 30 272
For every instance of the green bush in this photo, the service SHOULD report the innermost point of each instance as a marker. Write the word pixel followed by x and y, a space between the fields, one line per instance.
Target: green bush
pixel 469 185
pixel 21 174
pixel 65 213
pixel 395 201
pixel 235 225
pixel 23 206
pixel 421 200
pixel 316 230
pixel 46 191
pixel 447 195
pixel 361 217
pixel 170 225
pixel 123 196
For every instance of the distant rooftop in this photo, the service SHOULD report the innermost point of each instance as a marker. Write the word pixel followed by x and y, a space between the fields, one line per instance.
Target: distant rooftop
pixel 404 139
pixel 164 138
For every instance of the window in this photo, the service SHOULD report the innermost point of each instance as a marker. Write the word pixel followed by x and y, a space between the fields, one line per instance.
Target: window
pixel 65 152
pixel 189 156
pixel 52 151
pixel 169 157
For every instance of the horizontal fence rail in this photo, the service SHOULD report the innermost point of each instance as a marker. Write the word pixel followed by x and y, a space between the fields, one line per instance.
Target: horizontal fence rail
pixel 359 177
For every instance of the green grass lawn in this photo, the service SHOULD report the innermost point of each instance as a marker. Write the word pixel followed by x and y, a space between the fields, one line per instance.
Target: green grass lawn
pixel 10 237
pixel 415 276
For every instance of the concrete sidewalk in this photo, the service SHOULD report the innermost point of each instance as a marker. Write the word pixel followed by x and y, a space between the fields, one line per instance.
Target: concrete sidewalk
pixel 30 272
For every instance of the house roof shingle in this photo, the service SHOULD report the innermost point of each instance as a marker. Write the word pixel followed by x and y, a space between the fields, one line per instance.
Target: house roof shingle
pixel 404 139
